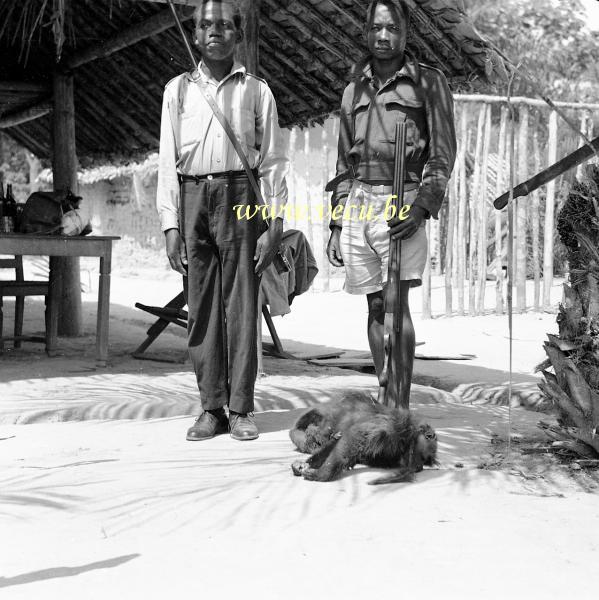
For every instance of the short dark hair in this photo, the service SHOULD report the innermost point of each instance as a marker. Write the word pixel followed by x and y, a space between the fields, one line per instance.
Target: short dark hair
pixel 399 6
pixel 236 12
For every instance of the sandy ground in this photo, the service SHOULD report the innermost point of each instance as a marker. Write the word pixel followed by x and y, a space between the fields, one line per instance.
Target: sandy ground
pixel 101 495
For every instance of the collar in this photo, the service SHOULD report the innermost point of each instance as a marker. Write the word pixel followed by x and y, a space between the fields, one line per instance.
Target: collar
pixel 410 69
pixel 200 71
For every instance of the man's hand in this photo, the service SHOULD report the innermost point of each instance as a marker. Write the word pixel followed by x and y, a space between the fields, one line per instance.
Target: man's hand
pixel 334 248
pixel 175 250
pixel 406 228
pixel 268 245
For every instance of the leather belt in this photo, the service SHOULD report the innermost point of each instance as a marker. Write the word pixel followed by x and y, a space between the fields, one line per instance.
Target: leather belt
pixel 212 176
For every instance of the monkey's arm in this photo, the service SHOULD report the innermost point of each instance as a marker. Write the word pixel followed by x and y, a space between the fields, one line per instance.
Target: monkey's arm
pixel 317 459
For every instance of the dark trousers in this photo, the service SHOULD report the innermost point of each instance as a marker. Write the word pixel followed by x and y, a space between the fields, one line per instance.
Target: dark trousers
pixel 222 294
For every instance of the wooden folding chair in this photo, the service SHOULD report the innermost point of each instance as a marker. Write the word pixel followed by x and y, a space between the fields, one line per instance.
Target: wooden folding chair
pixel 172 312
pixel 18 288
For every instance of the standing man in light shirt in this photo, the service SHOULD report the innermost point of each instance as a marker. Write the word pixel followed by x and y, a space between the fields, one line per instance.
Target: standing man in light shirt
pixel 200 180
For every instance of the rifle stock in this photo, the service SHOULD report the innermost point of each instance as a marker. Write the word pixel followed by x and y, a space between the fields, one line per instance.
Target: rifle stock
pixel 389 380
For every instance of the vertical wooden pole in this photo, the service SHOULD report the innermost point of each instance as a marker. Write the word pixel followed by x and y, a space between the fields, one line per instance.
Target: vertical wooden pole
pixel 521 262
pixel 64 170
pixel 449 238
pixel 260 369
pixel 325 272
pixel 502 164
pixel 248 50
pixel 474 208
pixel 535 224
pixel 426 276
pixel 290 213
pixel 549 215
pixel 583 129
pixel 482 214
pixel 462 200
pixel 436 246
pixel 308 199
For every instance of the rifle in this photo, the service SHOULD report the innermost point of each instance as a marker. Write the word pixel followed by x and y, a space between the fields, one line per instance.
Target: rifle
pixel 389 380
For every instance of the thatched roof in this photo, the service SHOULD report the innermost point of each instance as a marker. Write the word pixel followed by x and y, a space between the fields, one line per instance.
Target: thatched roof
pixel 306 50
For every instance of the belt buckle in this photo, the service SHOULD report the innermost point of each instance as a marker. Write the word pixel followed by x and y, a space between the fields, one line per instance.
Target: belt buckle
pixel 209 177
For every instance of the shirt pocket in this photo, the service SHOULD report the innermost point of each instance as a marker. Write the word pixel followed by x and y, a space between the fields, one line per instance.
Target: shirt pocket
pixel 361 117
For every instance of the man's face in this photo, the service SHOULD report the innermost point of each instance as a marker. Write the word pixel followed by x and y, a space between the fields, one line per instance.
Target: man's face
pixel 216 34
pixel 387 34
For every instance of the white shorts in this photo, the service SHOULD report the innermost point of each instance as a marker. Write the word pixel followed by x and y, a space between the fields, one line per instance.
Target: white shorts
pixel 365 241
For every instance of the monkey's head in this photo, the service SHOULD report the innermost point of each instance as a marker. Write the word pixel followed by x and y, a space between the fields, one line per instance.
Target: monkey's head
pixel 425 450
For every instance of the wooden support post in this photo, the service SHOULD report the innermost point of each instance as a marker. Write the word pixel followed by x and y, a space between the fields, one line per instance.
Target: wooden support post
pixel 462 201
pixel 64 168
pixel 426 276
pixel 583 130
pixel 248 50
pixel 306 211
pixel 474 220
pixel 324 203
pixel 535 217
pixel 549 215
pixel 260 369
pixel 290 214
pixel 502 164
pixel 522 246
pixel 449 239
pixel 482 214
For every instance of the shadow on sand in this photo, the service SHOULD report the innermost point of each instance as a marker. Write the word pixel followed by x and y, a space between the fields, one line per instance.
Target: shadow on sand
pixel 57 572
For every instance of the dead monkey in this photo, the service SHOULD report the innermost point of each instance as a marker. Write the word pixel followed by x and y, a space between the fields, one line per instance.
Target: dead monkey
pixel 358 430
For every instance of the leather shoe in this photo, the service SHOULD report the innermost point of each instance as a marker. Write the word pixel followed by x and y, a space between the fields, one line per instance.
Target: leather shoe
pixel 243 427
pixel 207 425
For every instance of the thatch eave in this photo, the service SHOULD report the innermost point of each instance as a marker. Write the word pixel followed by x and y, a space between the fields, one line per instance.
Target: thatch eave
pixel 307 49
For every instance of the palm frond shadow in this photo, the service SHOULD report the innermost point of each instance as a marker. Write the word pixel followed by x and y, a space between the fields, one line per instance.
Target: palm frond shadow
pixel 57 572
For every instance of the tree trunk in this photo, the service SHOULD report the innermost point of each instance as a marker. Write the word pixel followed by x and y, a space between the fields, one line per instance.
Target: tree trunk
pixel 64 168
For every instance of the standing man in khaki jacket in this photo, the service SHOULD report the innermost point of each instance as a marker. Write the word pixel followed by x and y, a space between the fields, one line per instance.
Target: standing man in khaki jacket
pixel 389 85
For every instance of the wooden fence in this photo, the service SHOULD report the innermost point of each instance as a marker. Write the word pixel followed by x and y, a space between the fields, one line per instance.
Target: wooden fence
pixel 468 244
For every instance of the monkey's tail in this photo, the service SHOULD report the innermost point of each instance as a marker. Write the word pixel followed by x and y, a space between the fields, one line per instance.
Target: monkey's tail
pixel 402 476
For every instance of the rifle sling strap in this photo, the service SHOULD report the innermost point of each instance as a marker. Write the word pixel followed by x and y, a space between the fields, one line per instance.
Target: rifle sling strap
pixel 232 137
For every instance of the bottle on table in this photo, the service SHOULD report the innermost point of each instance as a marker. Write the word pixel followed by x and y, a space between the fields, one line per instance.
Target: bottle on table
pixel 1 206
pixel 9 211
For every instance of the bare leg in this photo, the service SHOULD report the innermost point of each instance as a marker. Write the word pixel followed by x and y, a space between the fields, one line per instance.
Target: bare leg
pixel 407 345
pixel 376 329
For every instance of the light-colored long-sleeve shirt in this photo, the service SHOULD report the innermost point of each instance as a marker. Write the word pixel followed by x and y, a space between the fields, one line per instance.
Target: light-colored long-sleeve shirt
pixel 193 142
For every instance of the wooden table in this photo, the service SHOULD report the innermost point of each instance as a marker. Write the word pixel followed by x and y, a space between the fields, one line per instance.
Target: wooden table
pixel 55 246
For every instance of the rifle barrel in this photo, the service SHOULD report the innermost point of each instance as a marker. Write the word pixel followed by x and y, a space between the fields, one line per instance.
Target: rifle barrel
pixel 194 62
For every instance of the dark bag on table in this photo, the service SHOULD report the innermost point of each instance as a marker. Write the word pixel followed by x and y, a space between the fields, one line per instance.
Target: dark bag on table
pixel 43 211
